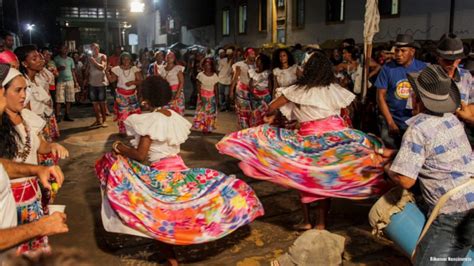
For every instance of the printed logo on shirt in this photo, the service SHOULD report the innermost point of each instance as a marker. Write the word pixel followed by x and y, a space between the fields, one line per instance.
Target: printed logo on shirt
pixel 402 92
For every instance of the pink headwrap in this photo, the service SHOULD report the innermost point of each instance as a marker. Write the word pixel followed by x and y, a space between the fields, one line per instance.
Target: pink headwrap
pixel 8 57
pixel 247 51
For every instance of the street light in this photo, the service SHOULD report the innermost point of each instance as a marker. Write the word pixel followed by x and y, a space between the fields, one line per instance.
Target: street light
pixel 30 28
pixel 136 6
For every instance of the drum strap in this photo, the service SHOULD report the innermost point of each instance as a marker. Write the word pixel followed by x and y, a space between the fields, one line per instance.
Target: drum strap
pixel 438 207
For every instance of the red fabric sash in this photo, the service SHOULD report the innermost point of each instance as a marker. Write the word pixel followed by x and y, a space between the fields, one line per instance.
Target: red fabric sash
pixel 173 163
pixel 125 92
pixel 206 93
pixel 332 123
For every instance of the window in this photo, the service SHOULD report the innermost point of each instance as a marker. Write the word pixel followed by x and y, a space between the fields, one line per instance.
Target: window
pixel 335 10
pixel 262 19
pixel 299 14
pixel 242 18
pixel 281 3
pixel 225 22
pixel 389 8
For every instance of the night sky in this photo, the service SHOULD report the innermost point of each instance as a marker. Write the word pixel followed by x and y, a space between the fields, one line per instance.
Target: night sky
pixel 43 14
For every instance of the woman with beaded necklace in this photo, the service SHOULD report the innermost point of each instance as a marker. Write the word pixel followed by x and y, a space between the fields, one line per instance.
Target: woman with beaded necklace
pixel 22 142
pixel 128 77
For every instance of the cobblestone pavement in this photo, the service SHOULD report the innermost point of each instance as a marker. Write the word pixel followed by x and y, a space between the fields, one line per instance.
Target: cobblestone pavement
pixel 255 244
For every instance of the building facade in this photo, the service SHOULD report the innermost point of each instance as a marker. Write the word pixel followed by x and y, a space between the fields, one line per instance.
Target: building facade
pixel 257 22
pixel 84 25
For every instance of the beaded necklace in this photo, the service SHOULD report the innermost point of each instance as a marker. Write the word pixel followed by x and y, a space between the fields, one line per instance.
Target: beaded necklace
pixel 26 150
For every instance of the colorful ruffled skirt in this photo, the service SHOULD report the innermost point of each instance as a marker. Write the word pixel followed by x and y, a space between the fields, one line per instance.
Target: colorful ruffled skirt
pixel 51 130
pixel 323 159
pixel 27 196
pixel 259 102
pixel 175 204
pixel 126 104
pixel 206 111
pixel 177 104
pixel 243 105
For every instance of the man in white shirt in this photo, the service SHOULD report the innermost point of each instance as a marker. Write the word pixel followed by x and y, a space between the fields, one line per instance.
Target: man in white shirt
pixel 224 70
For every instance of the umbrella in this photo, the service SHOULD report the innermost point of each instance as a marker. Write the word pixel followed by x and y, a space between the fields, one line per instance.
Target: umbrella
pixel 371 27
pixel 200 48
pixel 178 46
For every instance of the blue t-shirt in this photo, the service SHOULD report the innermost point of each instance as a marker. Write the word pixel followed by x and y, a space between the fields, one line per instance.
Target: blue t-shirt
pixel 393 78
pixel 68 64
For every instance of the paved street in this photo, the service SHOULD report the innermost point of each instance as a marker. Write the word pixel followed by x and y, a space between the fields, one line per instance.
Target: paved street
pixel 255 244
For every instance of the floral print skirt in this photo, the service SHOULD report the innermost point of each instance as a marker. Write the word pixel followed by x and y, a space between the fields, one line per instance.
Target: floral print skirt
pixel 322 159
pixel 243 105
pixel 259 102
pixel 126 104
pixel 206 111
pixel 29 208
pixel 51 129
pixel 177 104
pixel 175 204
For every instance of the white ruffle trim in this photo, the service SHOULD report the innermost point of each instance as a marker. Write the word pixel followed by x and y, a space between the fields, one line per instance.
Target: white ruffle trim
pixel 173 129
pixel 331 97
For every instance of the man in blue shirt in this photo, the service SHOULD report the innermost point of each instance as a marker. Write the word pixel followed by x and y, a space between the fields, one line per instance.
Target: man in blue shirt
pixel 66 83
pixel 394 90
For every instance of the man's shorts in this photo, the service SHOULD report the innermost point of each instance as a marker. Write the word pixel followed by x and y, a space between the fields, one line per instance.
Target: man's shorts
pixel 65 92
pixel 97 94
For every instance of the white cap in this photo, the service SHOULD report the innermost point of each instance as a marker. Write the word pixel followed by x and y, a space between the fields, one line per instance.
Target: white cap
pixel 221 51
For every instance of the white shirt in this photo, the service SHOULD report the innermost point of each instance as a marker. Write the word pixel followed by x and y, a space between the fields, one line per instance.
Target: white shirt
pixel 286 77
pixel 260 80
pixel 225 71
pixel 8 216
pixel 35 125
pixel 207 82
pixel 244 71
pixel 171 75
pixel 314 103
pixel 166 133
pixel 125 76
pixel 40 99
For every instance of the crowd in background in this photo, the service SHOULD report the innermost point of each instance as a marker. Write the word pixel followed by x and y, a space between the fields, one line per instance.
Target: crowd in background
pixel 253 83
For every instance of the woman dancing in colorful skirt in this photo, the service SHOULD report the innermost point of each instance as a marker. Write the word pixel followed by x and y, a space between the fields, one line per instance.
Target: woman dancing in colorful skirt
pixel 166 200
pixel 206 110
pixel 128 77
pixel 260 93
pixel 240 88
pixel 322 159
pixel 174 74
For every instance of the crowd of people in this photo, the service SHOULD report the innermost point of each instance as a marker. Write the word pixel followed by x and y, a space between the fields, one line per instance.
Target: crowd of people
pixel 301 125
